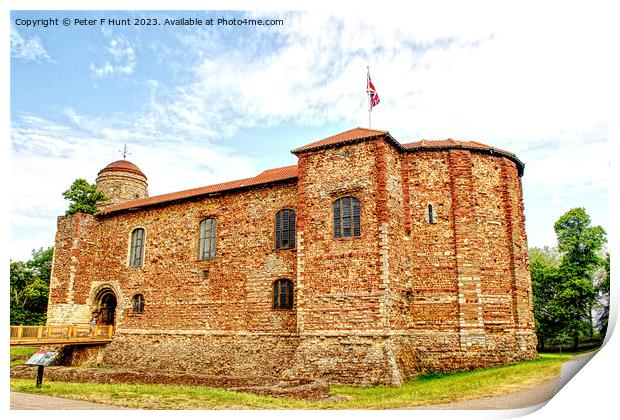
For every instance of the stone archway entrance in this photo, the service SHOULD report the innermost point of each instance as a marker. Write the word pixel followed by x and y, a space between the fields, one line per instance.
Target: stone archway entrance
pixel 106 307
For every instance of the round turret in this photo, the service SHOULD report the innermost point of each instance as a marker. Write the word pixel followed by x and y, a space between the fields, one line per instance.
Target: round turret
pixel 121 181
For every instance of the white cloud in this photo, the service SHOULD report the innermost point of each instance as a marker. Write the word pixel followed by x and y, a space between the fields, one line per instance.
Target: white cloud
pixel 486 79
pixel 28 49
pixel 47 156
pixel 123 59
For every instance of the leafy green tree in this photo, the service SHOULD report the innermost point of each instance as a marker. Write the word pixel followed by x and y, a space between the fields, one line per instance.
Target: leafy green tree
pixel 579 243
pixel 563 283
pixel 83 197
pixel 29 288
pixel 544 266
pixel 603 291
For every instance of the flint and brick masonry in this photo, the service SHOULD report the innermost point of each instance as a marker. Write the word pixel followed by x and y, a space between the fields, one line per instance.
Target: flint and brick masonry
pixel 429 271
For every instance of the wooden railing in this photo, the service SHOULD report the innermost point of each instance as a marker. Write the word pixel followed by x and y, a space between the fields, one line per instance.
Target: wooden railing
pixel 61 334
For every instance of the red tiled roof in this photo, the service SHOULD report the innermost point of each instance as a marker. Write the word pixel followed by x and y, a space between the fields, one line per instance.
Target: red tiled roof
pixel 360 134
pixel 290 172
pixel 351 136
pixel 122 165
pixel 270 175
pixel 451 143
pixel 460 144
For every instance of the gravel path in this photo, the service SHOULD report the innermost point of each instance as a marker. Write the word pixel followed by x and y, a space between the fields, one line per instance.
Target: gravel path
pixel 538 395
pixel 527 398
pixel 20 401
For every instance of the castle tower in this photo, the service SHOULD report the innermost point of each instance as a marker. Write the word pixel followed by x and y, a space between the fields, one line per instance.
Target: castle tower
pixel 121 181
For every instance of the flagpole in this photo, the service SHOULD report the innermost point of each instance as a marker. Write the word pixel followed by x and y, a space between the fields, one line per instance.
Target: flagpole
pixel 367 96
pixel 369 113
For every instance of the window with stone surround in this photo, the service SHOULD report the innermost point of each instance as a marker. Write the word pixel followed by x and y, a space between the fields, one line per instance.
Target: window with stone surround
pixel 136 252
pixel 206 239
pixel 285 229
pixel 137 304
pixel 283 294
pixel 347 217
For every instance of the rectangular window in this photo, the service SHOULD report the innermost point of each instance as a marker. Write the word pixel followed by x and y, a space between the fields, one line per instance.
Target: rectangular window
pixel 283 294
pixel 137 248
pixel 206 241
pixel 347 217
pixel 285 229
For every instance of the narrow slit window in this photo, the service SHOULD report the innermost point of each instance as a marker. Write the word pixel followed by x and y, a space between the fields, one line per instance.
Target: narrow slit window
pixel 285 229
pixel 431 214
pixel 347 217
pixel 206 239
pixel 136 254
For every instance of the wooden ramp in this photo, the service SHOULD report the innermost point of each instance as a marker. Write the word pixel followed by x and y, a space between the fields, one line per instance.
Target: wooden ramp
pixel 77 334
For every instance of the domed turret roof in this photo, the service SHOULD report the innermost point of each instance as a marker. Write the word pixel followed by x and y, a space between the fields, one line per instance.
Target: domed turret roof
pixel 122 166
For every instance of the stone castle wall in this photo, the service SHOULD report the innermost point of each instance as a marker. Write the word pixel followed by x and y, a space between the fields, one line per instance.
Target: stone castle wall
pixel 341 281
pixel 406 296
pixel 74 252
pixel 230 292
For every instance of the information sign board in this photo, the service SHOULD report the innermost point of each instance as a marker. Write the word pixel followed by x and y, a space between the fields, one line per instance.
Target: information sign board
pixel 42 358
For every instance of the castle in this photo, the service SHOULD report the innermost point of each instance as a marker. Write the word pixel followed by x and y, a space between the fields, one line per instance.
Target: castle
pixel 367 262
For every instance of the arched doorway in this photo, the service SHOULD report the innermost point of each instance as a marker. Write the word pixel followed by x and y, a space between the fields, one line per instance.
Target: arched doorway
pixel 106 307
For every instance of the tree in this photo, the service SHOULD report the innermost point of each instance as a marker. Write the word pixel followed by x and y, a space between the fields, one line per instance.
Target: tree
pixel 544 266
pixel 579 244
pixel 83 197
pixel 603 291
pixel 563 280
pixel 29 288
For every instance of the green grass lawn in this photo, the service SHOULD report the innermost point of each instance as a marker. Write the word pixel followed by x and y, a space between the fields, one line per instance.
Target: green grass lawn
pixel 23 351
pixel 19 355
pixel 425 390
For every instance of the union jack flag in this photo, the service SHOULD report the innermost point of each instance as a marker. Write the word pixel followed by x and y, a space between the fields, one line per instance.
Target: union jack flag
pixel 373 96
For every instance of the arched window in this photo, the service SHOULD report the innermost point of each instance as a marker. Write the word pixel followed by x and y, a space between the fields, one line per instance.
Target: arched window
pixel 347 217
pixel 137 304
pixel 136 252
pixel 285 229
pixel 283 294
pixel 206 241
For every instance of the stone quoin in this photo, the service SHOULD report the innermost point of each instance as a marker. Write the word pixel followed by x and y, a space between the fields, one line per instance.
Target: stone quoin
pixel 369 261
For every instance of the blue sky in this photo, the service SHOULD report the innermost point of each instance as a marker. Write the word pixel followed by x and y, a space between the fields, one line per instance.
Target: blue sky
pixel 200 105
